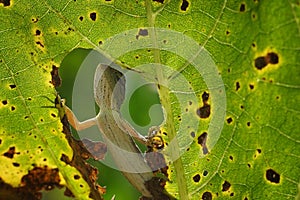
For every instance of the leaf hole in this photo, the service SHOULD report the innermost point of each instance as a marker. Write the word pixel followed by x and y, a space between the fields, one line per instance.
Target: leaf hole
pixel 80 18
pixel 12 108
pixel 205 173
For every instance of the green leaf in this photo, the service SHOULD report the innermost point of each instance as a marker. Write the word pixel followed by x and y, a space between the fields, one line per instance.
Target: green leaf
pixel 254 44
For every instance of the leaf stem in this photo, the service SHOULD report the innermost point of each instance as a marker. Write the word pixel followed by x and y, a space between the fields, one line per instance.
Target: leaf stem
pixel 166 103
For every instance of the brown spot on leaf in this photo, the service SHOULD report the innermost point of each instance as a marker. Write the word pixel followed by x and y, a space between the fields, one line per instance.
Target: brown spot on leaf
pixel 76 177
pixel 258 151
pixel 184 5
pixel 207 196
pixel 41 178
pixel 10 153
pixel 272 176
pixel 37 32
pixel 34 20
pixel 237 86
pixel 40 44
pixel 11 193
pixel 272 58
pixel 93 16
pixel 56 80
pixel 202 141
pixel 229 120
pixel 196 178
pixel 193 134
pixel 5 2
pixel 205 97
pixel 262 61
pixel 12 86
pixel 16 164
pixel 4 102
pixel 142 32
pixel 204 111
pixel 242 7
pixel 159 1
pixel 251 86
pixel 226 185
pixel 65 159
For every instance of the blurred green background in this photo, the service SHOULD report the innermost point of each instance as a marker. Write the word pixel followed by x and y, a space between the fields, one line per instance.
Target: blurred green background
pixel 141 108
